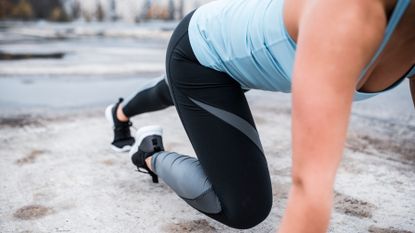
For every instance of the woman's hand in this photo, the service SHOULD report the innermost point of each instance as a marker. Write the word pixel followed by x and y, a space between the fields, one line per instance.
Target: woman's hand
pixel 336 41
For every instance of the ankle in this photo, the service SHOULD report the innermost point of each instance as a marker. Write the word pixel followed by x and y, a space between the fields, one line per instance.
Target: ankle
pixel 120 115
pixel 148 162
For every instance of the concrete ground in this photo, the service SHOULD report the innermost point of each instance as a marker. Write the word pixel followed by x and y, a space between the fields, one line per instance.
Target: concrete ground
pixel 58 173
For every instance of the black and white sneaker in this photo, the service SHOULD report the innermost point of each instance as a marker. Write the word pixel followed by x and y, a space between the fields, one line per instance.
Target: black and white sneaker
pixel 148 140
pixel 122 136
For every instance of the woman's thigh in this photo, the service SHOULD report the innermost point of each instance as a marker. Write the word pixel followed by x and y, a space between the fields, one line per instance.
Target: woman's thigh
pixel 217 119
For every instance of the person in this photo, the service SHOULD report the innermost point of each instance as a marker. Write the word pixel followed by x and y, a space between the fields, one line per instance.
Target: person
pixel 327 53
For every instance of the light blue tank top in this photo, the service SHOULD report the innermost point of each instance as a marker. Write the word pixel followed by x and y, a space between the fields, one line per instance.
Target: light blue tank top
pixel 248 40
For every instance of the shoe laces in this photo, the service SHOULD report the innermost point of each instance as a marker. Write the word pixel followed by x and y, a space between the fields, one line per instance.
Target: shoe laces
pixel 123 129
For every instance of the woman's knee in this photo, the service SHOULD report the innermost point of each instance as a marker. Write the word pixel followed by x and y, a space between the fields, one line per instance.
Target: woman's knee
pixel 249 212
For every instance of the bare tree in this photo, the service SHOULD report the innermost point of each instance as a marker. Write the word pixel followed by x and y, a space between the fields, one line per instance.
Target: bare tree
pixel 145 10
pixel 100 14
pixel 181 9
pixel 76 10
pixel 5 8
pixel 113 11
pixel 23 10
pixel 43 8
pixel 171 9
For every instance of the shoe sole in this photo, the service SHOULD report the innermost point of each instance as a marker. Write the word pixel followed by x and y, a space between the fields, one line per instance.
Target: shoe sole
pixel 121 150
pixel 110 119
pixel 143 133
pixel 108 114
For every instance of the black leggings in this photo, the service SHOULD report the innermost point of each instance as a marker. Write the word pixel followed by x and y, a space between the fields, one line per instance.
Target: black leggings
pixel 219 124
pixel 153 96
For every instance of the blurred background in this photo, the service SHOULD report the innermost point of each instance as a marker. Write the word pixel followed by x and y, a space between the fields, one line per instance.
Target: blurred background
pixel 95 10
pixel 83 53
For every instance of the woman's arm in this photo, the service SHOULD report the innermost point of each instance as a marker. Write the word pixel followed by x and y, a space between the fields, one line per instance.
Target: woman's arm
pixel 336 40
pixel 412 85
